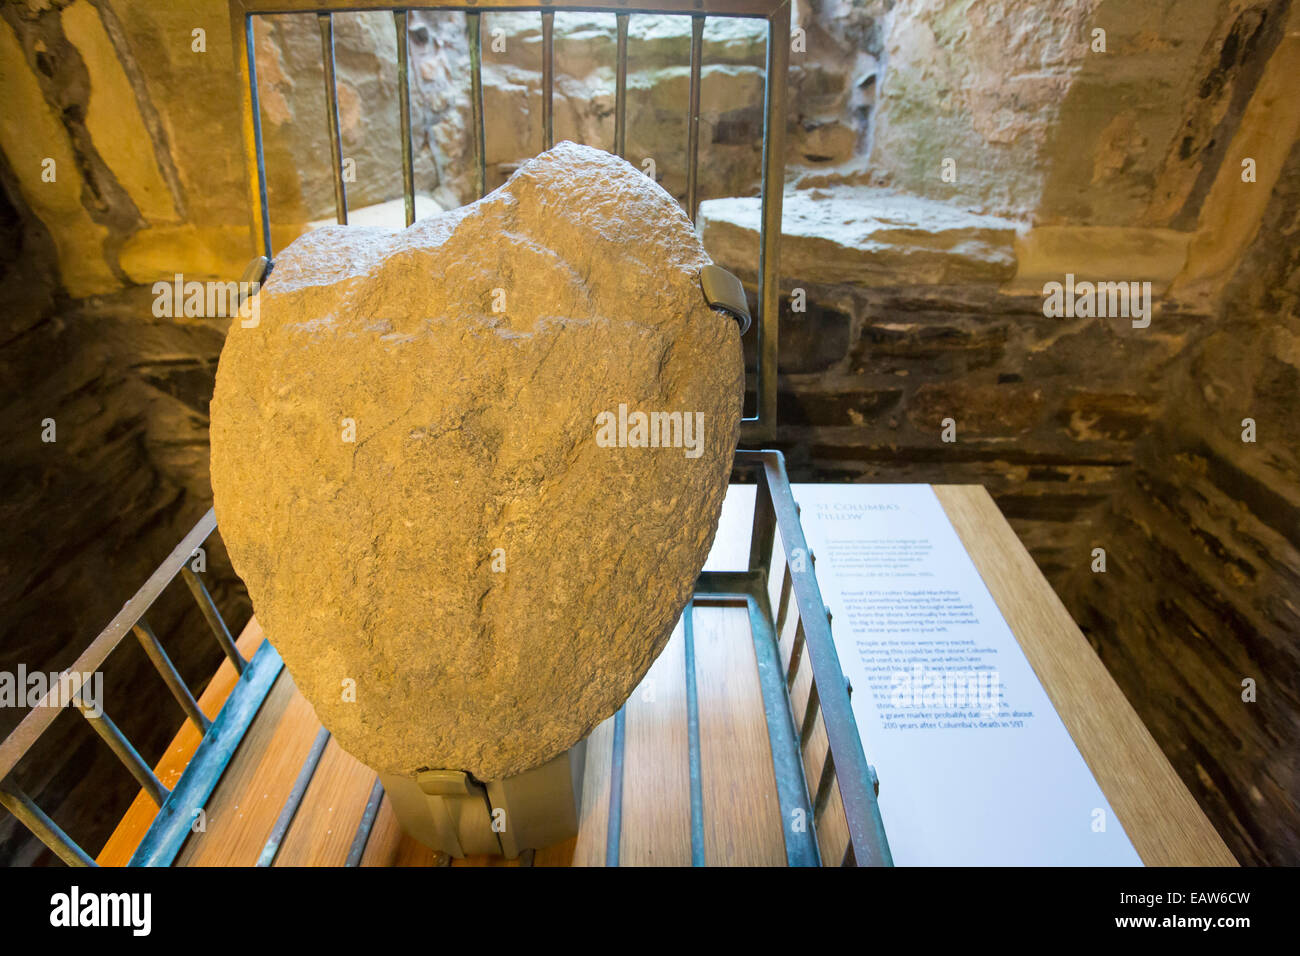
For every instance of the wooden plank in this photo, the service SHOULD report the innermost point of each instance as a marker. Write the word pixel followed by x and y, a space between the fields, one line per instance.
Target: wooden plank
pixel 559 855
pixel 139 816
pixel 326 823
pixel 1159 815
pixel 243 809
pixel 742 818
pixel 592 827
pixel 656 765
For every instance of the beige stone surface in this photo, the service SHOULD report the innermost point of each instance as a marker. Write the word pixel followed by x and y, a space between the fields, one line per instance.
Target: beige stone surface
pixel 493 580
pixel 1234 209
pixel 864 236
pixel 114 119
pixel 31 134
pixel 1046 253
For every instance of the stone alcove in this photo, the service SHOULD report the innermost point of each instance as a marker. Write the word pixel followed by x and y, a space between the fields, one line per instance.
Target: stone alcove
pixel 908 296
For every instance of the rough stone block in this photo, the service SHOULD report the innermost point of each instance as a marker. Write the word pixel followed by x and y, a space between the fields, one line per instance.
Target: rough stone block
pixel 410 474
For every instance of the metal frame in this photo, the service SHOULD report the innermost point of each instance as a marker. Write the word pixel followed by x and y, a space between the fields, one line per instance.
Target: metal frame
pixel 755 430
pixel 845 764
pixel 176 807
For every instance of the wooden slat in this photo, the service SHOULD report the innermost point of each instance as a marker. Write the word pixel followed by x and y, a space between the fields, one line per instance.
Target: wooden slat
pixel 742 818
pixel 1164 823
pixel 243 809
pixel 656 789
pixel 326 822
pixel 559 855
pixel 590 848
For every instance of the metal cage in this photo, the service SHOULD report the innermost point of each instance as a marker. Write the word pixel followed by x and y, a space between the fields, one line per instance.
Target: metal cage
pixel 844 765
pixel 757 429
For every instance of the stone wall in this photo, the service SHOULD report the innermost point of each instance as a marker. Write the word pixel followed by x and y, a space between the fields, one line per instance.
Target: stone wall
pixel 1202 536
pixel 924 325
pixel 89 515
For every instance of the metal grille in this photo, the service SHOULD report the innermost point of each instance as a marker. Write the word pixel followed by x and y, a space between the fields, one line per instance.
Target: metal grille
pixel 761 427
pixel 176 807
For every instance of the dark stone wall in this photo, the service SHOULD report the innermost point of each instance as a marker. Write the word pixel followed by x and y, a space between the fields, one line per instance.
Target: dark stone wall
pixel 88 517
pixel 1047 413
pixel 1202 589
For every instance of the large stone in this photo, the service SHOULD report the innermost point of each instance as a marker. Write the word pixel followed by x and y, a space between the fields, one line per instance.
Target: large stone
pixel 490 577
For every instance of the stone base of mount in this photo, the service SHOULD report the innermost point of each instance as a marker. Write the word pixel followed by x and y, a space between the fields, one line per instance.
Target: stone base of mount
pixel 461 566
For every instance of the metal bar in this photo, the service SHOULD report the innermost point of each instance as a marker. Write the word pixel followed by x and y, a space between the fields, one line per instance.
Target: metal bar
pixel 171 826
pixel 326 22
pixel 46 830
pixel 693 118
pixel 748 589
pixel 862 812
pixel 752 9
pixel 620 88
pixel 548 78
pixel 367 824
pixel 796 654
pixel 720 588
pixel 214 619
pixel 783 605
pixel 294 800
pixel 477 121
pixel 778 64
pixel 809 716
pixel 693 740
pixel 824 786
pixel 46 710
pixel 763 534
pixel 244 41
pixel 614 831
pixel 122 749
pixel 787 761
pixel 167 670
pixel 404 111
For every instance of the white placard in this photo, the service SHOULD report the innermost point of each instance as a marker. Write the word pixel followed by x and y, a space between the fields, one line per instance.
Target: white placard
pixel 975 765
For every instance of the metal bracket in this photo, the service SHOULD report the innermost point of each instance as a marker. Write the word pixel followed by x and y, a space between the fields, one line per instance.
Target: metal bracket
pixel 450 811
pixel 258 268
pixel 724 292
